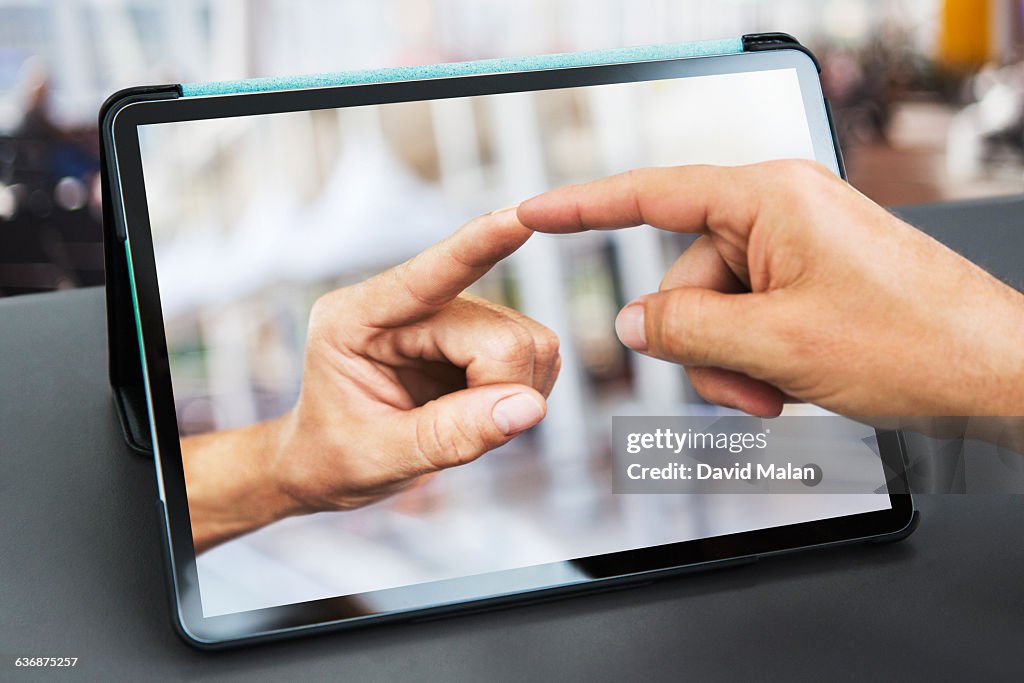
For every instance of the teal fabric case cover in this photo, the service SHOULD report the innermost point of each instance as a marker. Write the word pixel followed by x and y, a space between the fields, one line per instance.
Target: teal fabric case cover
pixel 704 48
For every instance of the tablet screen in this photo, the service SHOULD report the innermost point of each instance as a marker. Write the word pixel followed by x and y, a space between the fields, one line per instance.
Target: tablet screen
pixel 255 217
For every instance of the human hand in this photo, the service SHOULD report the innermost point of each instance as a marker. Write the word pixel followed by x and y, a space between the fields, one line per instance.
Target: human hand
pixel 404 375
pixel 802 287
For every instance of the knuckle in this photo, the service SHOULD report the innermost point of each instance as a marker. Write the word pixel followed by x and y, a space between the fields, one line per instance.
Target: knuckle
pixel 320 315
pixel 509 343
pixel 546 344
pixel 795 187
pixel 430 441
pixel 672 321
pixel 789 174
pixel 635 179
pixel 405 278
pixel 326 306
pixel 801 174
pixel 320 309
pixel 697 312
pixel 330 321
pixel 796 168
pixel 443 440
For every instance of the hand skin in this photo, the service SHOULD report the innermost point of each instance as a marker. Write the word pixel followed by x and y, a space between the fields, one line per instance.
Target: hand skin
pixel 802 287
pixel 404 375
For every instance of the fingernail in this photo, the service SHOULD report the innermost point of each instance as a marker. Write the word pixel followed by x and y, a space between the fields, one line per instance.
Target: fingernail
pixel 516 413
pixel 507 208
pixel 629 325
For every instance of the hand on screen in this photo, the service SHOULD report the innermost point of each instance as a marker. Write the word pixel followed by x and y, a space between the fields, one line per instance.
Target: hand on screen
pixel 802 287
pixel 404 375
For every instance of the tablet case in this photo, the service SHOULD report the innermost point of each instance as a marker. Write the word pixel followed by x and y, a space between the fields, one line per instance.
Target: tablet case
pixel 123 341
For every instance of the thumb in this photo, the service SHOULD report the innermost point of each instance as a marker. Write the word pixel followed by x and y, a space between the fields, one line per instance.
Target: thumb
pixel 701 327
pixel 459 427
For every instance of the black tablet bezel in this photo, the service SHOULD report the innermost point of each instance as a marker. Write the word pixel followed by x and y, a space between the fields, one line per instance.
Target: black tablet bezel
pixel 132 211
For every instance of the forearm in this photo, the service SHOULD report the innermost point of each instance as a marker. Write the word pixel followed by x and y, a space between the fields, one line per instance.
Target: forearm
pixel 230 483
pixel 995 402
pixel 983 377
pixel 993 357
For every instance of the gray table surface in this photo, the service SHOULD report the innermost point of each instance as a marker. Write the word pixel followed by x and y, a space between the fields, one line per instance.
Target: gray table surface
pixel 81 573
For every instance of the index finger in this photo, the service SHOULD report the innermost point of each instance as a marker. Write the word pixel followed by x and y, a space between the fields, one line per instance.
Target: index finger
pixel 422 285
pixel 688 199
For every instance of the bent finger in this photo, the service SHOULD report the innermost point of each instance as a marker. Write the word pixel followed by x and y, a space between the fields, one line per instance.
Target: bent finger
pixel 702 265
pixel 491 346
pixel 735 390
pixel 546 359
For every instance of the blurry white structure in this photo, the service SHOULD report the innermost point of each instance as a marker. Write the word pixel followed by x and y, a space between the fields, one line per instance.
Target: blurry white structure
pixel 999 107
pixel 458 151
pixel 640 253
pixel 539 271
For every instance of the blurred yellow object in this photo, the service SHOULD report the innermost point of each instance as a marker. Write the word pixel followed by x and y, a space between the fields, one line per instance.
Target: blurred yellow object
pixel 965 34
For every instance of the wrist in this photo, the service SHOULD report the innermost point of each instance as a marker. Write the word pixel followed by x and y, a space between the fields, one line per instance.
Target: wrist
pixel 282 467
pixel 271 449
pixel 995 384
pixel 232 484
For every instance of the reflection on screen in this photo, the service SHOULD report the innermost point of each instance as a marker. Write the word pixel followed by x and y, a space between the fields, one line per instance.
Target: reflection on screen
pixel 253 218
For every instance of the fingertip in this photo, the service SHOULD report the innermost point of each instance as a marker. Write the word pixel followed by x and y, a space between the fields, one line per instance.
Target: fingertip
pixel 505 209
pixel 630 326
pixel 488 239
pixel 518 412
pixel 756 398
pixel 548 213
pixel 526 211
pixel 754 401
pixel 763 407
pixel 752 406
pixel 504 224
pixel 737 391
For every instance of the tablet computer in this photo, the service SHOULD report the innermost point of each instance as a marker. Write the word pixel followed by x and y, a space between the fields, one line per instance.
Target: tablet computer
pixel 234 207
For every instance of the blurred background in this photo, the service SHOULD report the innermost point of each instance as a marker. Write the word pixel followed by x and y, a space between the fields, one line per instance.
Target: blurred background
pixel 928 93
